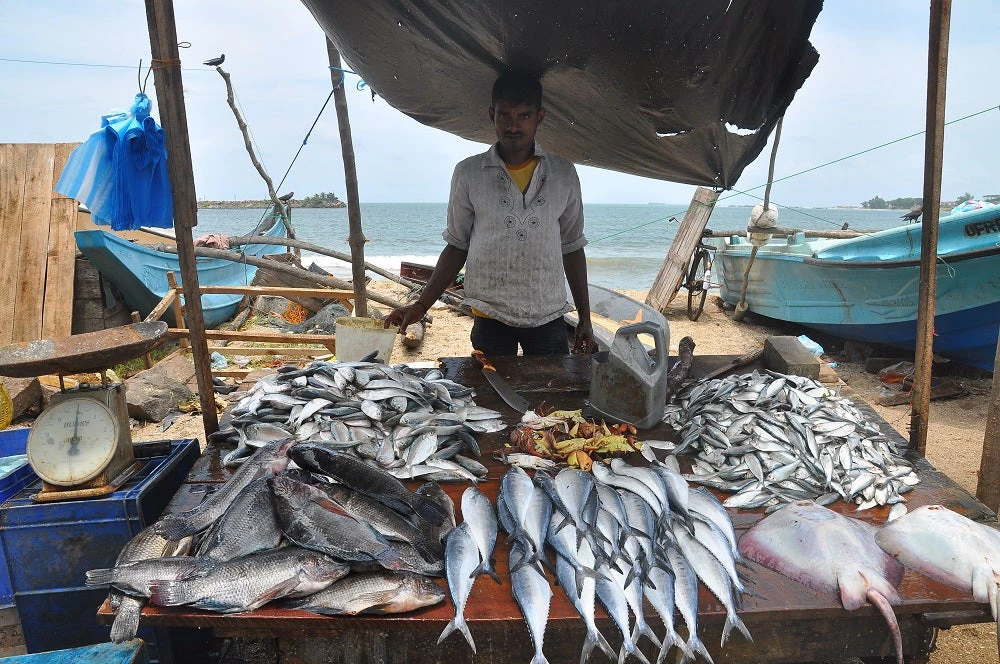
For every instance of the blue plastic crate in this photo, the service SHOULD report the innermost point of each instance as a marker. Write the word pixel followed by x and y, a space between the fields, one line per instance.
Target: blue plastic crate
pixel 50 546
pixel 12 442
pixel 130 652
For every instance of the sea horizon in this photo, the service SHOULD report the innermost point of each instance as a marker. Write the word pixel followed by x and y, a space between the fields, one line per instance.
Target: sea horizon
pixel 627 242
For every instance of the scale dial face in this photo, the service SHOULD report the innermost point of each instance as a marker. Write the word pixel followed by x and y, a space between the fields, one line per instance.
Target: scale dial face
pixel 72 442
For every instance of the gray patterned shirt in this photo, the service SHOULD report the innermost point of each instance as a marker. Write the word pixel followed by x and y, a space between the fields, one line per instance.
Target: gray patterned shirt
pixel 515 242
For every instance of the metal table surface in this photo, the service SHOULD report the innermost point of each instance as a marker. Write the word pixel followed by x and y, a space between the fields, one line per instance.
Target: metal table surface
pixel 789 622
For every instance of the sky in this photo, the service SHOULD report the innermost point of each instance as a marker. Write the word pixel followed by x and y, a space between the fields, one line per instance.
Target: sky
pixel 868 88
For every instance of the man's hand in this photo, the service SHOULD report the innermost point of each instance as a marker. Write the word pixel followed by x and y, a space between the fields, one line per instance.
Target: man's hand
pixel 584 342
pixel 404 316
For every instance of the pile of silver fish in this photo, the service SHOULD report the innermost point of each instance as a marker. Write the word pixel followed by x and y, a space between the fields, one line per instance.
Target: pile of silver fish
pixel 412 422
pixel 338 536
pixel 622 534
pixel 771 439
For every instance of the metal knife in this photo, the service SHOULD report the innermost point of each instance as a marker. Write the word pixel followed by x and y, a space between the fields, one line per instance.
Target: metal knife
pixel 503 388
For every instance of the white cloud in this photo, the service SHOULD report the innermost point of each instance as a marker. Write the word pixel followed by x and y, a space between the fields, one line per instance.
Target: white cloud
pixel 868 88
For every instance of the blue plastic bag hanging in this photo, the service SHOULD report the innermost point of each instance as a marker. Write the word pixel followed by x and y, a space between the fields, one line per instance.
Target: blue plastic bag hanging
pixel 120 172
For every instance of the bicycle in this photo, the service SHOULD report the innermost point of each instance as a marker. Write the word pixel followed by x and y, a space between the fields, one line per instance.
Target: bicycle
pixel 699 276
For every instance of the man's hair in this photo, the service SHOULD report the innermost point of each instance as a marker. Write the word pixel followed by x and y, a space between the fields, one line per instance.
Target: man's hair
pixel 518 87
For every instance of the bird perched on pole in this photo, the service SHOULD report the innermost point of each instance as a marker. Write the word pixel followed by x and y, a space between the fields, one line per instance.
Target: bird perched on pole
pixel 215 62
pixel 287 197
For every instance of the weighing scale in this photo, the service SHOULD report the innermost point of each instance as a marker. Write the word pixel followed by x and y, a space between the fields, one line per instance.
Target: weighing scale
pixel 81 445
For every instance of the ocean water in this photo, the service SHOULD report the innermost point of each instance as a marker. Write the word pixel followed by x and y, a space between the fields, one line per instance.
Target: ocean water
pixel 627 242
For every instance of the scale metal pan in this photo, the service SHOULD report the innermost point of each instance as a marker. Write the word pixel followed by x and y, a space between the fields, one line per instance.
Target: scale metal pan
pixel 79 353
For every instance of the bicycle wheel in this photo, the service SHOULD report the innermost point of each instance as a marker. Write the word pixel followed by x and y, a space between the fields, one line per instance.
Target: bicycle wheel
pixel 697 288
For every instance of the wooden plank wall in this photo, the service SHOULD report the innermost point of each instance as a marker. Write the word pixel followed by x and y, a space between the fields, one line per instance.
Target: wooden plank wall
pixel 37 248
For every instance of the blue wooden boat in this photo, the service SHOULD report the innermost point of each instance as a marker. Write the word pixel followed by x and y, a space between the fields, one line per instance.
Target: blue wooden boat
pixel 140 272
pixel 866 288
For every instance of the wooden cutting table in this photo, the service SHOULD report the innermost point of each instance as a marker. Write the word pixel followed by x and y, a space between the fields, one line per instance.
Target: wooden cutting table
pixel 789 622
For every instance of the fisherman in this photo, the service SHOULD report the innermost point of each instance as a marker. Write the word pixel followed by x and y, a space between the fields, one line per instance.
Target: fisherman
pixel 515 221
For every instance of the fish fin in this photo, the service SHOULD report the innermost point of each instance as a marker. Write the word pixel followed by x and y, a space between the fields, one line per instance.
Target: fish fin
pixel 458 623
pixel 173 527
pixel 427 551
pixel 631 650
pixel 883 606
pixel 126 624
pixel 741 626
pixel 429 511
pixel 669 641
pixel 485 567
pixel 169 593
pixel 562 524
pixel 642 628
pixel 200 566
pixel 629 578
pixel 696 647
pixel 99 577
pixel 602 643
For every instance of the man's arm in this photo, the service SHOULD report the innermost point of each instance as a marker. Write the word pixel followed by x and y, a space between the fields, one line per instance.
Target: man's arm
pixel 449 264
pixel 575 265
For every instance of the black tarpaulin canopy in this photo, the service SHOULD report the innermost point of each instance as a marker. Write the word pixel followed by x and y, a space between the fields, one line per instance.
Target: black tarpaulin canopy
pixel 678 90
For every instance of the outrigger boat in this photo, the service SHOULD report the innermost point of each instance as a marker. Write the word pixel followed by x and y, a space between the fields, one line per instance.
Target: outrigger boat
pixel 866 288
pixel 140 271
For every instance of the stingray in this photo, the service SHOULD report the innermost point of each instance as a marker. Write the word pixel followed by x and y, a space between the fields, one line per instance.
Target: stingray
pixel 949 548
pixel 830 553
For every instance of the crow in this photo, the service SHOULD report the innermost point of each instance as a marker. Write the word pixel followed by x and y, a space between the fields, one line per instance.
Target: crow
pixel 215 62
pixel 913 214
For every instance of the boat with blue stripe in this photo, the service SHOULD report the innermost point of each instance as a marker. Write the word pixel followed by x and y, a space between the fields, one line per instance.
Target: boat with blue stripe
pixel 867 288
pixel 140 272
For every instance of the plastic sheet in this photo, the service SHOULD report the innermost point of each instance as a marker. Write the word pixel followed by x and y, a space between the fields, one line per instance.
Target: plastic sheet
pixel 669 89
pixel 120 172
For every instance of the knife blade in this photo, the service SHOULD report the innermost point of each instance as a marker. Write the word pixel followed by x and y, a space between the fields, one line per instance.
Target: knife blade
pixel 502 387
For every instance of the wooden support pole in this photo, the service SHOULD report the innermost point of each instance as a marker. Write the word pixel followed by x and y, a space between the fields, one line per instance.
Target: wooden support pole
pixel 356 238
pixel 166 66
pixel 988 488
pixel 178 308
pixel 675 265
pixel 147 361
pixel 937 75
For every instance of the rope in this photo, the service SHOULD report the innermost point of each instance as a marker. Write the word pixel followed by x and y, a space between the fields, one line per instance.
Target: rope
pixel 738 192
pixel 299 151
pixel 741 308
pixel 361 85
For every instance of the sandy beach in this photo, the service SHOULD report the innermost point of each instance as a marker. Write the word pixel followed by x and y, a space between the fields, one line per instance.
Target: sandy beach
pixel 955 431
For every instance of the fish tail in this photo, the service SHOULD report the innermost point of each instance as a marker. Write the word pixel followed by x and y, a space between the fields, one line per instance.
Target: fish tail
pixel 882 604
pixel 126 624
pixel 173 527
pixel 642 628
pixel 429 511
pixel 458 622
pixel 169 593
pixel 539 658
pixel 669 641
pixel 741 626
pixel 602 643
pixel 486 567
pixel 426 551
pixel 99 577
pixel 628 648
pixel 696 647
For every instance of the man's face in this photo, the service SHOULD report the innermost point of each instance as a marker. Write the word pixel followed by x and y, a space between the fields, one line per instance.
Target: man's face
pixel 516 124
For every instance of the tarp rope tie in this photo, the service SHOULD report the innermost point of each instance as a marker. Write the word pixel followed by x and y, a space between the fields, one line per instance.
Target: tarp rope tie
pixel 361 85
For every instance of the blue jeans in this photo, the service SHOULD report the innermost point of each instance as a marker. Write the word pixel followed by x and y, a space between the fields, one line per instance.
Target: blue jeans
pixel 494 338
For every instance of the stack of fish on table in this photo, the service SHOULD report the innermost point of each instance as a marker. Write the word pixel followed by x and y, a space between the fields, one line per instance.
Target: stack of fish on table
pixel 335 536
pixel 412 422
pixel 621 534
pixel 771 439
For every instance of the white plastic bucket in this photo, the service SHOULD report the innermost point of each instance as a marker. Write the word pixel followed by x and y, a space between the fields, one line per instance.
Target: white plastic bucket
pixel 357 337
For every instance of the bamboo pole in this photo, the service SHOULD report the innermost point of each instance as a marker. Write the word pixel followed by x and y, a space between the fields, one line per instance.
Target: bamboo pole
pixel 937 75
pixel 332 282
pixel 319 249
pixel 170 101
pixel 356 238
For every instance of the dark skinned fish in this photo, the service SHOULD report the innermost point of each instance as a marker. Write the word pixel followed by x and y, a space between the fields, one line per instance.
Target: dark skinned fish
pixel 368 480
pixel 268 460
